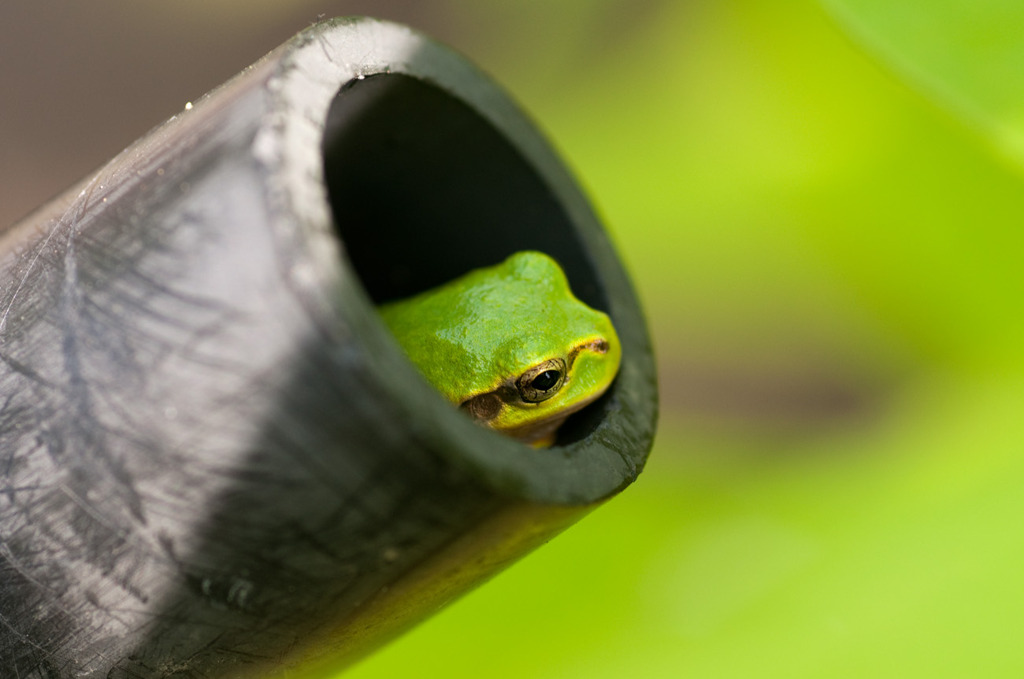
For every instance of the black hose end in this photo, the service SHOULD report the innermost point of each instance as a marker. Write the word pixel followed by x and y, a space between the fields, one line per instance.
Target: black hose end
pixel 217 463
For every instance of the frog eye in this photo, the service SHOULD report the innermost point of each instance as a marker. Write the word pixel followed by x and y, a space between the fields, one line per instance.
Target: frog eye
pixel 542 381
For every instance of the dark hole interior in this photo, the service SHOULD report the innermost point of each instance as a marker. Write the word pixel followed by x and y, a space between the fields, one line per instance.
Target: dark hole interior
pixel 424 189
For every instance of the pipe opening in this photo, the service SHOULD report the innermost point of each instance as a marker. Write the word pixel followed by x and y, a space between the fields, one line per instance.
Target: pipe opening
pixel 423 189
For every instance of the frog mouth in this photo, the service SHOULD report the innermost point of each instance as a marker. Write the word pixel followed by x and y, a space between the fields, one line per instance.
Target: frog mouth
pixel 542 432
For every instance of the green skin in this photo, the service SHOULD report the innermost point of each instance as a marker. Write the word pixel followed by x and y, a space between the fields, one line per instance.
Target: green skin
pixel 510 345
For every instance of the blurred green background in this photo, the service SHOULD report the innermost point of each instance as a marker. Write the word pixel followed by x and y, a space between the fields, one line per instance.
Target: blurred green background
pixel 820 207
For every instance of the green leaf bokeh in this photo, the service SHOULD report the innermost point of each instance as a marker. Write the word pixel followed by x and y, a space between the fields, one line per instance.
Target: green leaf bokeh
pixel 828 246
pixel 968 55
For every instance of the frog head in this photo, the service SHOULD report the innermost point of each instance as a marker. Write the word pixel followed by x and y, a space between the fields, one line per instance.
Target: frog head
pixel 510 345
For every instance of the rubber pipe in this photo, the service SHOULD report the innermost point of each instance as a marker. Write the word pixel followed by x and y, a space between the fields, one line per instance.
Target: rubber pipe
pixel 216 462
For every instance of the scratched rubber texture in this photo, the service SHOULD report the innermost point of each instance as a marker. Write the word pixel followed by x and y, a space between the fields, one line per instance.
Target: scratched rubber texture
pixel 145 468
pixel 204 464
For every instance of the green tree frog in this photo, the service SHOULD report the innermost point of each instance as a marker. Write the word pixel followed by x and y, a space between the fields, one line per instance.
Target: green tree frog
pixel 510 345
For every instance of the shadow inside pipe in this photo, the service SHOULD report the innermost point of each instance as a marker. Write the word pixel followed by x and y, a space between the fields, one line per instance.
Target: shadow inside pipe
pixel 424 189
